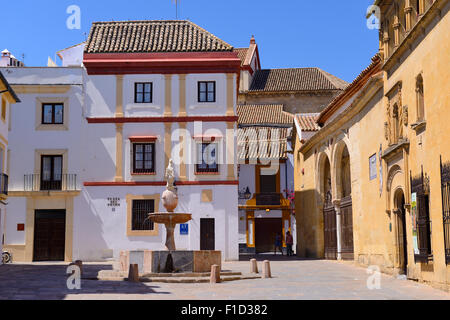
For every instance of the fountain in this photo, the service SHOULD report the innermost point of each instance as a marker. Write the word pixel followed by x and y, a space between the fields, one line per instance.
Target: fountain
pixel 171 260
pixel 170 202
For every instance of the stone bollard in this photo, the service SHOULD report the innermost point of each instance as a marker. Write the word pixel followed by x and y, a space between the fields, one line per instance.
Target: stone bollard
pixel 266 270
pixel 254 266
pixel 133 274
pixel 215 274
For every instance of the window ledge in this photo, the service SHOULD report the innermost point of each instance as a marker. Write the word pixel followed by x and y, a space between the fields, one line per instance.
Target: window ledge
pixel 419 125
pixel 207 173
pixel 52 127
pixel 144 174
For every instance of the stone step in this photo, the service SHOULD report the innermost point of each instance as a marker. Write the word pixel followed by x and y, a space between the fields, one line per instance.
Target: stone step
pixel 196 279
pixel 114 274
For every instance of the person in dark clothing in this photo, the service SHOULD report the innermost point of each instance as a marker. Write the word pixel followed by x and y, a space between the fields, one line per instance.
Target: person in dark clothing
pixel 278 244
pixel 289 243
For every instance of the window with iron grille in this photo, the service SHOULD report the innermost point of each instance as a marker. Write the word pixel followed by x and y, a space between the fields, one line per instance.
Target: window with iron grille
pixel 445 183
pixel 143 158
pixel 207 158
pixel 207 91
pixel 143 92
pixel 420 186
pixel 140 220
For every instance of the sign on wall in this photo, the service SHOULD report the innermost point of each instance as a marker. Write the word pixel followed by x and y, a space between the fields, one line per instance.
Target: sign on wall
pixel 373 167
pixel 184 229
pixel 414 222
pixel 113 203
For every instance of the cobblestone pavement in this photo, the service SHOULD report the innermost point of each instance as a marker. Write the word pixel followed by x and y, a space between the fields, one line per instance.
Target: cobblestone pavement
pixel 293 280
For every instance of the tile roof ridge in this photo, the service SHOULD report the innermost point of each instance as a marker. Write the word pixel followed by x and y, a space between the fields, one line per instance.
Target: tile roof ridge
pixel 335 81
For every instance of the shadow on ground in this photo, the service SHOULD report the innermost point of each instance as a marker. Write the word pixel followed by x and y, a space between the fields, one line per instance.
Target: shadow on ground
pixel 272 257
pixel 49 282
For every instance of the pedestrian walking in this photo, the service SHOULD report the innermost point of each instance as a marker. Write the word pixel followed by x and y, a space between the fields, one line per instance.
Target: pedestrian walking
pixel 278 244
pixel 289 243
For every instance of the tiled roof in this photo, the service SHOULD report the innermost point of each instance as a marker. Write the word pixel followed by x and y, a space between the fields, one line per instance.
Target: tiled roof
pixel 376 61
pixel 263 114
pixel 262 143
pixel 308 121
pixel 242 54
pixel 295 79
pixel 152 36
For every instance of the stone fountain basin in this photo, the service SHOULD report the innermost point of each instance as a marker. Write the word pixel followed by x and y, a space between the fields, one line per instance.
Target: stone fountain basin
pixel 170 218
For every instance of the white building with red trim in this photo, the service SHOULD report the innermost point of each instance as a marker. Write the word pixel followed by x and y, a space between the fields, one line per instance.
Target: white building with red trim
pixel 149 91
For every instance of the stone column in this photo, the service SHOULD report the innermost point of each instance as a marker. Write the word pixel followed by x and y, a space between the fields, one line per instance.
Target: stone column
pixel 337 208
pixel 408 15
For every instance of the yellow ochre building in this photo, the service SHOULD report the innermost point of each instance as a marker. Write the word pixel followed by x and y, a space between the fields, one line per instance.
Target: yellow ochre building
pixel 373 184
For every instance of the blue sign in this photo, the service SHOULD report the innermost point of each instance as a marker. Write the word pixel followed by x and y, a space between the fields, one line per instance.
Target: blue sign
pixel 184 229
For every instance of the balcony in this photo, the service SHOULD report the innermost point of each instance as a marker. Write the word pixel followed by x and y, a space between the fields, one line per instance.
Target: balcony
pixel 3 184
pixel 268 199
pixel 64 182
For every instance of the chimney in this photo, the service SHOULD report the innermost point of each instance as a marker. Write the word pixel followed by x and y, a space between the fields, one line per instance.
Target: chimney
pixel 252 40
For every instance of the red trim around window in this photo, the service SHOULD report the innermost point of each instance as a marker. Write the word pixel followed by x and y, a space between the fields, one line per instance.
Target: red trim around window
pixel 143 139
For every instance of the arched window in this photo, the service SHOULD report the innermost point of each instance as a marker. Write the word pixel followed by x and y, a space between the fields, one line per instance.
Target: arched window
pixel 420 99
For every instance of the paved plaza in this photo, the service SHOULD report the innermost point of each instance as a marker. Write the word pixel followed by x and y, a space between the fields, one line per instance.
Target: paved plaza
pixel 292 280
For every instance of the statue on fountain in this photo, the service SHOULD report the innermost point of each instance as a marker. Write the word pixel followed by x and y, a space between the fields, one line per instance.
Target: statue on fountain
pixel 170 202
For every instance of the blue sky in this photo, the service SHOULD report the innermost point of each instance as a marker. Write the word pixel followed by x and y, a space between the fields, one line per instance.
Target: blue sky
pixel 328 34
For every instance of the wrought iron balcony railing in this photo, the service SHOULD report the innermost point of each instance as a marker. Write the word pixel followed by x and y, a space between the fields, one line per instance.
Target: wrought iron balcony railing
pixel 268 199
pixel 4 184
pixel 63 182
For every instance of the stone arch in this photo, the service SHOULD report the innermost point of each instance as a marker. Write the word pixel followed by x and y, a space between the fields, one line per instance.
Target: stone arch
pixel 324 170
pixel 395 183
pixel 341 170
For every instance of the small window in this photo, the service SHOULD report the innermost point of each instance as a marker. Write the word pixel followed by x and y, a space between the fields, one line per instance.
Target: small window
pixel 143 92
pixel 140 211
pixel 207 158
pixel 52 113
pixel 144 158
pixel 207 91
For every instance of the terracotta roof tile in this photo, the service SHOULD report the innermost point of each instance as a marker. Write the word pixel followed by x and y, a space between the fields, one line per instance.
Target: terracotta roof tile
pixel 263 114
pixel 308 121
pixel 152 36
pixel 295 79
pixel 242 54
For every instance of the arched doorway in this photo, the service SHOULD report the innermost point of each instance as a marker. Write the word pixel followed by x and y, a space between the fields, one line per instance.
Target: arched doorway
pixel 329 212
pixel 400 213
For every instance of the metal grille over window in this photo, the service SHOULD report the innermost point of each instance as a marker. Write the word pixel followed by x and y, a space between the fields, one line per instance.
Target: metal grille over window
pixel 445 184
pixel 207 158
pixel 420 186
pixel 140 220
pixel 144 158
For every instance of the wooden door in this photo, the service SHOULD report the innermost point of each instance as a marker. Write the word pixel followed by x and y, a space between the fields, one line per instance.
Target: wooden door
pixel 207 234
pixel 49 235
pixel 329 215
pixel 347 229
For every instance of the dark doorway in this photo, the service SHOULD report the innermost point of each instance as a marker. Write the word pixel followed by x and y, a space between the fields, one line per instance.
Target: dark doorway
pixel 265 232
pixel 268 183
pixel 207 234
pixel 49 235
pixel 402 239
